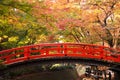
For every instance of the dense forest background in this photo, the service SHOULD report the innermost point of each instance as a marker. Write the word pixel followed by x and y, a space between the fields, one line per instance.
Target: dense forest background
pixel 26 22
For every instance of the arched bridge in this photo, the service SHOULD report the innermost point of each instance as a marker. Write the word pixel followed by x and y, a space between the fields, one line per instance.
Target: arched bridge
pixel 60 50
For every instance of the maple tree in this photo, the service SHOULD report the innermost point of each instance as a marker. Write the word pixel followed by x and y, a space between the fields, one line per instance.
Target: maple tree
pixel 17 26
pixel 40 21
pixel 82 23
pixel 107 18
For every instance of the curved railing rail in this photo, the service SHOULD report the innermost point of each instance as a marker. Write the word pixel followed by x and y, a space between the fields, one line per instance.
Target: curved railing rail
pixel 59 50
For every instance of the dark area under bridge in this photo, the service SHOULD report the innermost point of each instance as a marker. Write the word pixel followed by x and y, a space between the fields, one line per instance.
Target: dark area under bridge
pixel 18 67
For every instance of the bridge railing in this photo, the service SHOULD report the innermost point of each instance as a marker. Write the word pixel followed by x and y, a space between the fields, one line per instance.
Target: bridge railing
pixel 59 50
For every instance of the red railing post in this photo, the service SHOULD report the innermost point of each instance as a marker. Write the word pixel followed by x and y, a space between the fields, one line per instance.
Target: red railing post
pixel 7 59
pixel 65 49
pixel 26 52
pixel 102 54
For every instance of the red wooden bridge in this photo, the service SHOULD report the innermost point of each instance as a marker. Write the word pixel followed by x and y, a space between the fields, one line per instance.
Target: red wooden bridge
pixel 59 50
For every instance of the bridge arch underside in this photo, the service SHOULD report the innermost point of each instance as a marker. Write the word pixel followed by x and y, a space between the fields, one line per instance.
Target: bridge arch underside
pixel 18 69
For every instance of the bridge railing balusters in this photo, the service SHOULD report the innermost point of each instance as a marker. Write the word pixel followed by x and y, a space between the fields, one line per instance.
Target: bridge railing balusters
pixel 61 49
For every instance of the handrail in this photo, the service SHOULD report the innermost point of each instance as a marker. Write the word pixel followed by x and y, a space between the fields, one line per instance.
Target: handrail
pixel 48 50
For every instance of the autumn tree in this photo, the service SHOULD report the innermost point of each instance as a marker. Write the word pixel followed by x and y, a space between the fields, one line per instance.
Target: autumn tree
pixel 99 22
pixel 108 19
pixel 8 17
pixel 39 21
pixel 18 27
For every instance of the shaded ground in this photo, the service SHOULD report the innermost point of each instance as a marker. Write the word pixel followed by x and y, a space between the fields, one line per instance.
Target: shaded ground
pixel 53 71
pixel 37 71
pixel 53 75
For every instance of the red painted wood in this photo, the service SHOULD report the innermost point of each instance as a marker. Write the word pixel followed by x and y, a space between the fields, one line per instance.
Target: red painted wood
pixel 52 50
